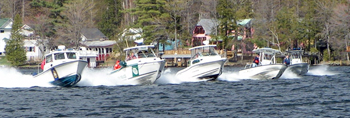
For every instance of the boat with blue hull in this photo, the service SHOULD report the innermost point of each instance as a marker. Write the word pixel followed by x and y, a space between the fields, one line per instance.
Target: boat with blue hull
pixel 62 67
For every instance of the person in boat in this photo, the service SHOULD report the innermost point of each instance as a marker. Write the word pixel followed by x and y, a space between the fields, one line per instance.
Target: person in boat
pixel 286 60
pixel 132 56
pixel 117 65
pixel 256 61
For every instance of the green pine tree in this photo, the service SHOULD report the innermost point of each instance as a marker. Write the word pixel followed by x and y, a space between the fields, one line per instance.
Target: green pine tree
pixel 152 19
pixel 15 51
pixel 111 18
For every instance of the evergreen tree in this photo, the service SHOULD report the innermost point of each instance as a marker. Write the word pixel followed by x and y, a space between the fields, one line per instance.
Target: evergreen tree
pixel 15 51
pixel 111 18
pixel 152 19
pixel 229 12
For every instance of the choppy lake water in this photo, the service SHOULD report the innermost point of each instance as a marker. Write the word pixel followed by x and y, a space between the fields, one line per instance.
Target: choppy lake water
pixel 323 92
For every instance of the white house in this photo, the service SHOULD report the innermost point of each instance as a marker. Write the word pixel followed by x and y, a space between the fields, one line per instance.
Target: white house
pixel 94 40
pixel 33 51
pixel 5 33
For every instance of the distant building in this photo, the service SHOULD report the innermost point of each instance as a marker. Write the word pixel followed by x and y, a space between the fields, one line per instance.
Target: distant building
pixel 93 39
pixel 35 51
pixel 206 27
pixel 5 33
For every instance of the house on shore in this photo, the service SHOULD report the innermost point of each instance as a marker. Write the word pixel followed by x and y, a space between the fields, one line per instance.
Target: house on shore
pixel 94 40
pixel 207 27
pixel 34 45
pixel 5 33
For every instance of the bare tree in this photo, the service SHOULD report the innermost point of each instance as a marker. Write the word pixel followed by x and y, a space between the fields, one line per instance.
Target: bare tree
pixel 10 7
pixel 341 26
pixel 78 13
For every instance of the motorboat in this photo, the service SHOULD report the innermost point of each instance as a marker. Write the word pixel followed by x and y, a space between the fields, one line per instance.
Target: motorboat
pixel 205 64
pixel 141 66
pixel 297 65
pixel 267 67
pixel 63 67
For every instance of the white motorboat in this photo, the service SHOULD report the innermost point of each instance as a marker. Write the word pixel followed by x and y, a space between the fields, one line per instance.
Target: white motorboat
pixel 63 67
pixel 205 64
pixel 267 68
pixel 297 65
pixel 141 66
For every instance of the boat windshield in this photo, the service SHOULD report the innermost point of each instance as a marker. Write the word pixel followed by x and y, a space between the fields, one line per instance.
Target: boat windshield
pixel 59 56
pixel 204 51
pixel 267 57
pixel 48 58
pixel 295 56
pixel 71 55
pixel 136 53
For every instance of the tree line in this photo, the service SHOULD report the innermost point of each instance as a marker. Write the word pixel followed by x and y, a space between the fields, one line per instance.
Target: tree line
pixel 314 25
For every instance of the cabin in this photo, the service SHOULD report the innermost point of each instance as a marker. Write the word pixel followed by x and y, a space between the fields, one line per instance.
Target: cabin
pixel 206 27
pixel 5 33
pixel 33 45
pixel 93 39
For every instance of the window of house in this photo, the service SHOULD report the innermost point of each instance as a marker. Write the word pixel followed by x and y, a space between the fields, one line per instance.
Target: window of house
pixel 2 31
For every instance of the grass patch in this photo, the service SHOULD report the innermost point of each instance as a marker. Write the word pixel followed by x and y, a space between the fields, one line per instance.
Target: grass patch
pixel 3 61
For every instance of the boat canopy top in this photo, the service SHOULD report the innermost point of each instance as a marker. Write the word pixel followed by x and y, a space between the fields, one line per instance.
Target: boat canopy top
pixel 142 47
pixel 202 46
pixel 267 51
pixel 295 51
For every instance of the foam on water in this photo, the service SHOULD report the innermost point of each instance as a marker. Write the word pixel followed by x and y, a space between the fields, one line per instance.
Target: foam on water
pixel 98 77
pixel 289 75
pixel 169 77
pixel 231 76
pixel 12 78
pixel 321 70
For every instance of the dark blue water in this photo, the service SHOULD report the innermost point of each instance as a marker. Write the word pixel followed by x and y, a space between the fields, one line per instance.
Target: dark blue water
pixel 324 92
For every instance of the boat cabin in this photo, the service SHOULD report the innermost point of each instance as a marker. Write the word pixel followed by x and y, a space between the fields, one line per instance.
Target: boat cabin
pixel 144 51
pixel 58 57
pixel 200 52
pixel 267 55
pixel 296 56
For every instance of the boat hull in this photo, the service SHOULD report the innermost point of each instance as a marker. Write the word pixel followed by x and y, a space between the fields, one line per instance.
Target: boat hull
pixel 273 71
pixel 140 73
pixel 204 70
pixel 299 68
pixel 66 74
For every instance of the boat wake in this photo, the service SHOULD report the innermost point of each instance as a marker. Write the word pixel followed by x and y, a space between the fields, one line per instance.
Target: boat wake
pixel 12 78
pixel 321 70
pixel 169 77
pixel 100 77
pixel 231 76
pixel 288 74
